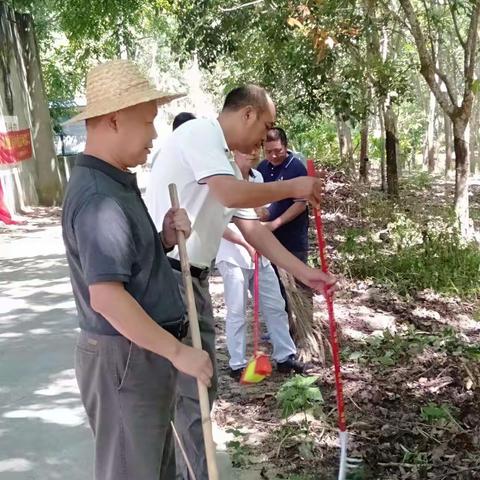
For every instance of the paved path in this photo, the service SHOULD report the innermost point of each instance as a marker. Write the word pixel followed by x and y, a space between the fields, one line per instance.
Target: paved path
pixel 43 429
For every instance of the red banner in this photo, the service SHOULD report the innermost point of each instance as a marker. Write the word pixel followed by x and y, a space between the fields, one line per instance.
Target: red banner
pixel 15 146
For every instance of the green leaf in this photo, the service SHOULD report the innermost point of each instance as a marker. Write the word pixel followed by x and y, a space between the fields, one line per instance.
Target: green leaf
pixel 476 86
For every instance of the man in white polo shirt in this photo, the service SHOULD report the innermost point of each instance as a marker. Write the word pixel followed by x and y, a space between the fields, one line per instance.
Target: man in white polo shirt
pixel 196 157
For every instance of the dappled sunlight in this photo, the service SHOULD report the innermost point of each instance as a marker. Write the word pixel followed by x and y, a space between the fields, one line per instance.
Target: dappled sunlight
pixel 70 417
pixel 66 401
pixel 427 386
pixel 11 335
pixel 62 411
pixel 40 331
pixel 63 382
pixel 43 426
pixel 8 304
pixel 15 465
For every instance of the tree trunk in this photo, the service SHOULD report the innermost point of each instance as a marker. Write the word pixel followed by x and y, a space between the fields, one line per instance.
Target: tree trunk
pixel 430 153
pixel 345 144
pixel 448 143
pixel 383 176
pixel 473 138
pixel 391 152
pixel 472 148
pixel 49 186
pixel 462 161
pixel 364 162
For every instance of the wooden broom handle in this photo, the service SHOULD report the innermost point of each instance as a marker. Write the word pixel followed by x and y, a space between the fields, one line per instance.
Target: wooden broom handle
pixel 197 343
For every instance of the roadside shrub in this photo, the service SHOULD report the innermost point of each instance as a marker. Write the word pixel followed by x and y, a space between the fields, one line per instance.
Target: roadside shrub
pixel 410 257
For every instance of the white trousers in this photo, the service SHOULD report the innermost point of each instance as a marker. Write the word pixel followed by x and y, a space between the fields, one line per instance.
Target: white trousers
pixel 237 282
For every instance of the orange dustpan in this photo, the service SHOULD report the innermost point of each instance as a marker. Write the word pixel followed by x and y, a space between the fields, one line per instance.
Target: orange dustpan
pixel 259 366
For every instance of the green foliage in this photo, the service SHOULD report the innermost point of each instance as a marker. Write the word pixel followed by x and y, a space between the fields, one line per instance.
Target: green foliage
pixel 432 413
pixel 358 473
pixel 315 57
pixel 415 457
pixel 238 449
pixel 314 139
pixel 409 256
pixel 73 35
pixel 299 394
pixel 418 181
pixel 411 126
pixel 391 349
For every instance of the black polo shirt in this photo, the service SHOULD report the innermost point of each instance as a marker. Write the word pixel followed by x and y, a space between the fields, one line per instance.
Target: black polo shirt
pixel 110 237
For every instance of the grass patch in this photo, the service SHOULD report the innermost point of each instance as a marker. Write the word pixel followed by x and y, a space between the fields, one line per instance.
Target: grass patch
pixel 409 256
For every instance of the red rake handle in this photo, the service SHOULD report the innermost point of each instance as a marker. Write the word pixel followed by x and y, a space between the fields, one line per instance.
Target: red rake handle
pixel 255 306
pixel 331 315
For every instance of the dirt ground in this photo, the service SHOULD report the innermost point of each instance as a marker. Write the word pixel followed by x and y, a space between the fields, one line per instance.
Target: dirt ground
pixel 411 381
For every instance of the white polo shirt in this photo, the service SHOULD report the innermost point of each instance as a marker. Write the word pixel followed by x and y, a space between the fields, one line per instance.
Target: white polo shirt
pixel 232 252
pixel 195 151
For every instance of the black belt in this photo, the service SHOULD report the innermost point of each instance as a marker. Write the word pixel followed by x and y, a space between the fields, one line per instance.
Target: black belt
pixel 197 272
pixel 178 329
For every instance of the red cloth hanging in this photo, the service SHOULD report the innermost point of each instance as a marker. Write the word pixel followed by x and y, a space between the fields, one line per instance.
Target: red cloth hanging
pixel 5 216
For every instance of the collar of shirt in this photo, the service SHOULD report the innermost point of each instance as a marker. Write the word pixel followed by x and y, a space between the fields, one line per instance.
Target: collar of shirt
pixel 124 177
pixel 282 165
pixel 225 146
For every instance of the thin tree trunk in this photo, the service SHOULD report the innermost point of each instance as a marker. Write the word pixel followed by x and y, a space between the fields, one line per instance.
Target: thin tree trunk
pixel 473 147
pixel 383 176
pixel 448 143
pixel 462 161
pixel 391 152
pixel 430 144
pixel 364 162
pixel 345 144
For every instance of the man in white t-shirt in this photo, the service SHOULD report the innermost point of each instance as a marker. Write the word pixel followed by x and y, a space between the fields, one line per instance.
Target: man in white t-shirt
pixel 196 158
pixel 235 263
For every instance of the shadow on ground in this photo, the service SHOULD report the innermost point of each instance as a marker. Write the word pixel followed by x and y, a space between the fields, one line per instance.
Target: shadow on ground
pixel 43 431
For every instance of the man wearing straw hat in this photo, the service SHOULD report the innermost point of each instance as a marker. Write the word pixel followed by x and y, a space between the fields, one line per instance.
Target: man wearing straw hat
pixel 131 314
pixel 196 157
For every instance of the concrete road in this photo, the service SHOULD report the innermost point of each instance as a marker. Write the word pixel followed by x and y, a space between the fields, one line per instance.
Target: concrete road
pixel 43 430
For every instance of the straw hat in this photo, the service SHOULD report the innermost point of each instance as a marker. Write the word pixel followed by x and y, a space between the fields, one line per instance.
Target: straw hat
pixel 118 84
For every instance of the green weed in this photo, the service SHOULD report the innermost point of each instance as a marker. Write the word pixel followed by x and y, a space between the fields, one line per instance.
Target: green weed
pixel 299 394
pixel 239 451
pixel 432 413
pixel 389 349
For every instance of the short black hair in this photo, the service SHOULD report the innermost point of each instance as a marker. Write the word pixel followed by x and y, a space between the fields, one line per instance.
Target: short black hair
pixel 246 95
pixel 277 133
pixel 182 117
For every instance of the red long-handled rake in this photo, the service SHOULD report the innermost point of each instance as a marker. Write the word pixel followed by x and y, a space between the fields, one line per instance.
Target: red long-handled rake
pixel 345 462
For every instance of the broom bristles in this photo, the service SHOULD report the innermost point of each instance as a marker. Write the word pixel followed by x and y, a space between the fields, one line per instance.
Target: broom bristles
pixel 307 331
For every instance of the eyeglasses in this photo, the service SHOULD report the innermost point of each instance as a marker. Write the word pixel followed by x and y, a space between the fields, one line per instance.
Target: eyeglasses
pixel 275 151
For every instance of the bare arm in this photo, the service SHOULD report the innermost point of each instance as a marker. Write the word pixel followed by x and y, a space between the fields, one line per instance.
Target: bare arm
pixel 234 237
pixel 234 193
pixel 117 306
pixel 287 216
pixel 265 242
